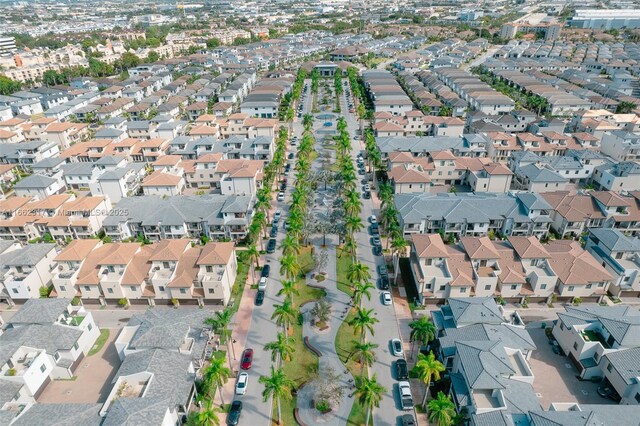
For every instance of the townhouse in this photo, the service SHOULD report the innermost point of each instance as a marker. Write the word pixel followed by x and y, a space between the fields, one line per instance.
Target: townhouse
pixel 466 214
pixel 620 256
pixel 215 216
pixel 46 339
pixel 603 342
pixel 170 271
pixel 621 145
pixel 25 271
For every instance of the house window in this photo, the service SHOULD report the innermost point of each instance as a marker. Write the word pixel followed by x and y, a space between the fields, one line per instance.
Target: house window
pixel 87 288
pixel 619 255
pixel 596 356
pixel 183 291
pixel 161 288
pixel 211 291
pixel 487 287
pixel 428 262
pixel 56 356
pixel 15 290
pixel 63 288
pixel 133 288
pixel 110 290
pixel 602 284
pixel 442 287
pixel 76 346
pixel 609 368
pixel 571 288
pixel 209 268
pixel 561 326
pixel 637 397
pixel 165 265
pixel 43 368
pixel 589 285
pixel 463 290
pixel 575 346
pixel 89 327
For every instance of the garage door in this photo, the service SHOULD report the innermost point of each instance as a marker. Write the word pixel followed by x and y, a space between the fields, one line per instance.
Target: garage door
pixel 575 362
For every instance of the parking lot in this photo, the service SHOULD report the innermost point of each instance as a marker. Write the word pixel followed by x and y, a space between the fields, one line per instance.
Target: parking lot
pixel 555 376
pixel 93 382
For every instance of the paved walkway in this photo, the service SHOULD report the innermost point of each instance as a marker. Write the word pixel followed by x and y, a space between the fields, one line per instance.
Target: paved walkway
pixel 325 343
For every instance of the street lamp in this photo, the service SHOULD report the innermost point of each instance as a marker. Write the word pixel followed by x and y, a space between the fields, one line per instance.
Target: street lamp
pixel 233 349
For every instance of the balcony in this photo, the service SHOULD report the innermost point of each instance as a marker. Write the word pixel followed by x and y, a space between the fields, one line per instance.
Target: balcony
pixel 595 336
pixel 487 271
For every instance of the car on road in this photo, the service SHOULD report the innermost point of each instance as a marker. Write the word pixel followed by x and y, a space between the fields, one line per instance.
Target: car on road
pixel 408 420
pixel 402 370
pixel 291 156
pixel 259 297
pixel 285 225
pixel 375 229
pixel 271 245
pixel 396 347
pixel 361 172
pixel 262 284
pixel 274 231
pixel 283 187
pixel 382 270
pixel 364 180
pixel 366 195
pixel 375 241
pixel 281 196
pixel 247 359
pixel 406 399
pixel 377 250
pixel 384 282
pixel 373 219
pixel 356 137
pixel 265 271
pixel 241 384
pixel 233 419
pixel 366 187
pixel 277 214
pixel 386 298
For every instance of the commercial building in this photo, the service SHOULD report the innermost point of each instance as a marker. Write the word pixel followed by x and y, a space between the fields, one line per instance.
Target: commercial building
pixel 605 19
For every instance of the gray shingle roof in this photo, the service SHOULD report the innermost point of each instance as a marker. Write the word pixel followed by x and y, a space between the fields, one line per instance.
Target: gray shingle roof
pixel 615 240
pixel 475 310
pixel 28 255
pixel 166 328
pixel 60 415
pixel 48 337
pixel 40 311
pixel 35 182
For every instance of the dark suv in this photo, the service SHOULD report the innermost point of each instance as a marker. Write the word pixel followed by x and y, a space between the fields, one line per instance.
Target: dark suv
pixel 271 245
pixel 402 373
pixel 233 418
pixel 265 271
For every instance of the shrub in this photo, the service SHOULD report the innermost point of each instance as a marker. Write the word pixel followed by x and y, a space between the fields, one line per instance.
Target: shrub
pixel 44 292
pixel 323 406
pixel 11 372
pixel 123 302
pixel 75 301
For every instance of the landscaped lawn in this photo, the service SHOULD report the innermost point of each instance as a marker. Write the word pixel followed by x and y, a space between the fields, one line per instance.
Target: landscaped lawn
pixel 343 262
pixel 357 416
pixel 241 279
pixel 100 341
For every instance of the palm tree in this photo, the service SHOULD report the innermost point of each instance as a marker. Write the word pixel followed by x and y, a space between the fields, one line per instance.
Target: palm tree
pixel 307 120
pixel 398 247
pixel 282 349
pixel 423 331
pixel 441 410
pixel 350 245
pixel 358 272
pixel 288 290
pixel 363 322
pixel 220 323
pixel 254 260
pixel 352 208
pixel 353 224
pixel 427 368
pixel 289 266
pixel 216 375
pixel 362 289
pixel 365 353
pixel 290 245
pixel 208 416
pixel 284 314
pixel 277 385
pixel 369 393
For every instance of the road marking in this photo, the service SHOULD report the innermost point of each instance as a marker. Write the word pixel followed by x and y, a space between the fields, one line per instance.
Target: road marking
pixel 566 364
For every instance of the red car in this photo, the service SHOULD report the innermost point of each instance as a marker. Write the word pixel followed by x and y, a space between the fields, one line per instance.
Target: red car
pixel 247 359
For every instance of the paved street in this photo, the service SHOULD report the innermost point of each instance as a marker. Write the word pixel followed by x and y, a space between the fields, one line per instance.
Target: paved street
pixel 387 329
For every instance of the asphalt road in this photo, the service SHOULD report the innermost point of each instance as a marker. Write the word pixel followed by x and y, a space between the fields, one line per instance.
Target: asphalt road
pixel 387 328
pixel 263 330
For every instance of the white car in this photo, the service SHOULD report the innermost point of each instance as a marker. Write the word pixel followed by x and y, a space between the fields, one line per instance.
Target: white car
pixel 241 384
pixel 277 215
pixel 281 196
pixel 386 298
pixel 373 219
pixel 396 347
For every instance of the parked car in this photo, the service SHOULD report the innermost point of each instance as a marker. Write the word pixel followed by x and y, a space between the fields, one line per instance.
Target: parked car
pixel 384 282
pixel 373 219
pixel 366 195
pixel 241 384
pixel 327 124
pixel 382 270
pixel 375 241
pixel 406 399
pixel 606 391
pixel 271 245
pixel 375 229
pixel 281 196
pixel 265 270
pixel 233 419
pixel 408 420
pixel 386 298
pixel 274 231
pixel 377 250
pixel 361 172
pixel 278 213
pixel 259 297
pixel 285 225
pixel 247 359
pixel 396 347
pixel 262 284
pixel 402 370
pixel 366 187
pixel 283 186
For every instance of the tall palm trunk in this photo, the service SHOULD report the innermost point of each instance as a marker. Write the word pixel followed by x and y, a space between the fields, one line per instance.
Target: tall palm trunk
pixel 220 392
pixel 279 410
pixel 426 393
pixel 368 416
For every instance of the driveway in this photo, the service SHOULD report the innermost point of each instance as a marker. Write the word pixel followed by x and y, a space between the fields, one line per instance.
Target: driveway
pixel 555 376
pixel 94 375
